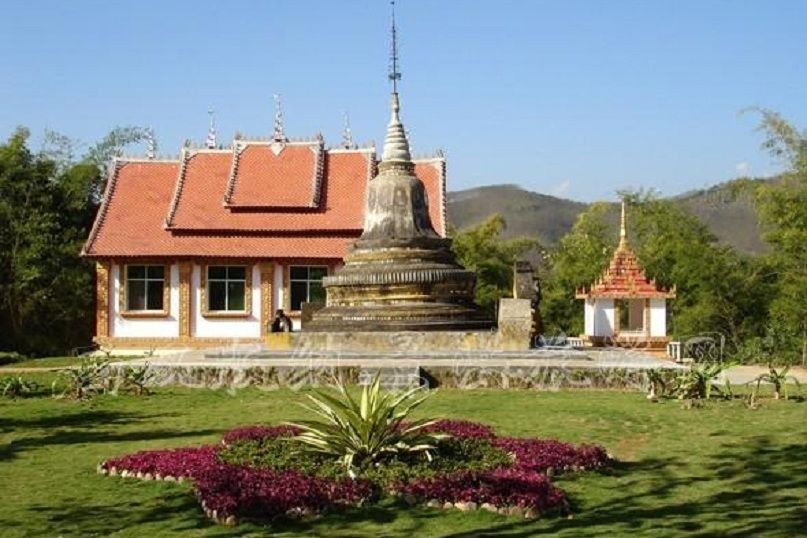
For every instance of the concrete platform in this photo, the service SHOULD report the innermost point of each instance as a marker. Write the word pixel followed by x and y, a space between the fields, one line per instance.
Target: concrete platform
pixel 246 365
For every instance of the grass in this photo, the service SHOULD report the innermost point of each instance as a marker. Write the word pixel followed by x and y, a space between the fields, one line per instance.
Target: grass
pixel 718 470
pixel 53 362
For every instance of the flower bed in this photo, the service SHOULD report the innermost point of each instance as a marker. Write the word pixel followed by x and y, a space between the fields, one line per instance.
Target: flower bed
pixel 256 473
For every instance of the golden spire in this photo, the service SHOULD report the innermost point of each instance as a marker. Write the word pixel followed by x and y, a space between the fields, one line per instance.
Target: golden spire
pixel 623 232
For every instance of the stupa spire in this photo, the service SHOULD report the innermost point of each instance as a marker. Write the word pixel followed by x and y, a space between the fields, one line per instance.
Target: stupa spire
pixel 396 145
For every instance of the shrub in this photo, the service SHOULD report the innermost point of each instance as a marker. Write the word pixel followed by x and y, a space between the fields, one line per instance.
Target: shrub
pixel 178 462
pixel 461 428
pixel 777 378
pixel 135 379
pixel 258 433
pixel 365 432
pixel 697 382
pixel 248 492
pixel 501 487
pixel 85 380
pixel 539 455
pixel 262 472
pixel 16 387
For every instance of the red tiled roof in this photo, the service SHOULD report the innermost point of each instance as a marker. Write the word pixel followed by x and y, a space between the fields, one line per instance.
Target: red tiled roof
pixel 432 173
pixel 276 175
pixel 176 208
pixel 624 278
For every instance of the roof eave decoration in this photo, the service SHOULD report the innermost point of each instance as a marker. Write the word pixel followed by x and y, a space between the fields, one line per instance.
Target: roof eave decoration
pixel 112 176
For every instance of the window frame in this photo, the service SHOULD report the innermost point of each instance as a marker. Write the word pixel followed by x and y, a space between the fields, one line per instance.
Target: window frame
pixel 290 281
pixel 123 291
pixel 205 292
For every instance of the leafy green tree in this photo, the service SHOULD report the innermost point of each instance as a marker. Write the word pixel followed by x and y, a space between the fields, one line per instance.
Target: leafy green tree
pixel 578 260
pixel 718 290
pixel 47 204
pixel 782 207
pixel 482 249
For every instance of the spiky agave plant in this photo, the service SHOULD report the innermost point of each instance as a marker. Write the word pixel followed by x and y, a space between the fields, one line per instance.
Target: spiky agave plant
pixel 697 382
pixel 779 379
pixel 15 386
pixel 135 379
pixel 364 432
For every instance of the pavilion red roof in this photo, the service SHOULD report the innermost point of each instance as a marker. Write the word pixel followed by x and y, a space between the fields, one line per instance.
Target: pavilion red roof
pixel 249 201
pixel 624 278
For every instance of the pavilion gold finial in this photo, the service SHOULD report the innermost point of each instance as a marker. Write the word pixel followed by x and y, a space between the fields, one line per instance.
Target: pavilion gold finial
pixel 623 232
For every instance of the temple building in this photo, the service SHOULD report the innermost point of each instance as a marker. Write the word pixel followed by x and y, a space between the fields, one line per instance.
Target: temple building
pixel 200 250
pixel 624 308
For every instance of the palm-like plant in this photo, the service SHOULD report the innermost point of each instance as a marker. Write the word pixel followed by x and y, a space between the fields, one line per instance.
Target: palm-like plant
pixel 777 378
pixel 697 383
pixel 656 384
pixel 84 381
pixel 135 379
pixel 364 432
pixel 16 386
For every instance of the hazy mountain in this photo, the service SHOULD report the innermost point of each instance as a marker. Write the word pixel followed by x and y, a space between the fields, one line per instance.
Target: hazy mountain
pixel 726 208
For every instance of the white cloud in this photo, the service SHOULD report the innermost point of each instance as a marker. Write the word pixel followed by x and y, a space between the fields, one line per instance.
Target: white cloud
pixel 561 188
pixel 743 168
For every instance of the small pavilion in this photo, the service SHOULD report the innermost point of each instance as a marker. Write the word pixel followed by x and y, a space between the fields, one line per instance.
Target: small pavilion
pixel 623 307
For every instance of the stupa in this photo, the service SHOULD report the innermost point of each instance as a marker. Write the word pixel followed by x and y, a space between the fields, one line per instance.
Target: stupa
pixel 400 275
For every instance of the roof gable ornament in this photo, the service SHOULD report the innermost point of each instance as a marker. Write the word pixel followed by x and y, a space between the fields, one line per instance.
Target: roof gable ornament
pixel 151 144
pixel 278 134
pixel 347 134
pixel 211 130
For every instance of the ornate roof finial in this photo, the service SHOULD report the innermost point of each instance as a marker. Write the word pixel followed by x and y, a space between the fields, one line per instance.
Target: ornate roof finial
pixel 394 71
pixel 211 130
pixel 151 144
pixel 347 134
pixel 278 135
pixel 623 232
pixel 396 146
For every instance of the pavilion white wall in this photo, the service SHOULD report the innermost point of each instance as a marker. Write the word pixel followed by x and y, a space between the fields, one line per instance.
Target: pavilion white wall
pixel 589 317
pixel 603 317
pixel 211 327
pixel 658 317
pixel 144 327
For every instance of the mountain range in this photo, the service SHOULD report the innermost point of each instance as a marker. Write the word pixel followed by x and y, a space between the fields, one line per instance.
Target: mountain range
pixel 727 209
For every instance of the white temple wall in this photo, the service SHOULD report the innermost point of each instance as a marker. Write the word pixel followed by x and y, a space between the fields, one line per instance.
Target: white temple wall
pixel 603 317
pixel 588 317
pixel 658 317
pixel 214 327
pixel 140 327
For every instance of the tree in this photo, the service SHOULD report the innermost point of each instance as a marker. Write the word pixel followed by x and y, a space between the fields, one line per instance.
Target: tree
pixel 481 249
pixel 718 290
pixel 47 205
pixel 578 260
pixel 782 207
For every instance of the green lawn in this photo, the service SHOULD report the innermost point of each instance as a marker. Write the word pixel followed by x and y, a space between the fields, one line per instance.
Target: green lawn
pixel 720 470
pixel 52 362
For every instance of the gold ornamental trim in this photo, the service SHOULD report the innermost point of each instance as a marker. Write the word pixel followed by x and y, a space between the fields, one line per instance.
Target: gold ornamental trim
pixel 124 291
pixel 102 299
pixel 204 306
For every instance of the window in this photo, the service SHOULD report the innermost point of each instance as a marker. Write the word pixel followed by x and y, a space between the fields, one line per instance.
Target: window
pixel 226 288
pixel 306 285
pixel 145 285
pixel 631 315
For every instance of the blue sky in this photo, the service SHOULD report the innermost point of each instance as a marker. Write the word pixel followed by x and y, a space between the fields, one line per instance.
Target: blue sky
pixel 572 98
